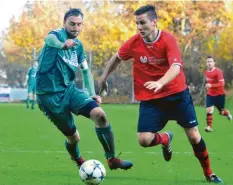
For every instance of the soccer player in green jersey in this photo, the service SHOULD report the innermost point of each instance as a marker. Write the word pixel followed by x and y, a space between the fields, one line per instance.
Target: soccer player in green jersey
pixel 30 82
pixel 58 97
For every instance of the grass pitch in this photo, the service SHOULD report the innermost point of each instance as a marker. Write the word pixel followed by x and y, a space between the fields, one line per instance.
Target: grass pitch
pixel 32 151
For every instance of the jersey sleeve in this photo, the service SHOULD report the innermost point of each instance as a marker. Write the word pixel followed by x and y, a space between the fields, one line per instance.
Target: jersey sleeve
pixel 55 32
pixel 220 77
pixel 173 52
pixel 82 56
pixel 125 53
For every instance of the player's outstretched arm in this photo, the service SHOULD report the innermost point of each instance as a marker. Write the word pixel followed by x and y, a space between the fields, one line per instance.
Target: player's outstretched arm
pixel 111 66
pixel 52 41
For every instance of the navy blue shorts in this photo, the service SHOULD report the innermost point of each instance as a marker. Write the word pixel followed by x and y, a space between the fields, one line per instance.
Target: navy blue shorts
pixel 217 101
pixel 154 114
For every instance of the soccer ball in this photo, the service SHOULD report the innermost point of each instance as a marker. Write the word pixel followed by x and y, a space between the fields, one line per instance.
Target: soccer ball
pixel 92 172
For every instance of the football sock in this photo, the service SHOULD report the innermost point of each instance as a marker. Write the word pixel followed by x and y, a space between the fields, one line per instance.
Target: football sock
pixel 225 112
pixel 209 119
pixel 201 153
pixel 159 139
pixel 106 138
pixel 28 102
pixel 73 150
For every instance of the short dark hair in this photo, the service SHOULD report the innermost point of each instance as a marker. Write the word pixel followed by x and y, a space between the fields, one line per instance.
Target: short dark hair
pixel 149 9
pixel 209 56
pixel 73 12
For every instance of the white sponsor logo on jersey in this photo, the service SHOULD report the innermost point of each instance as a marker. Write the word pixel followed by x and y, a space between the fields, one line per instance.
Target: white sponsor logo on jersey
pixel 73 60
pixel 143 59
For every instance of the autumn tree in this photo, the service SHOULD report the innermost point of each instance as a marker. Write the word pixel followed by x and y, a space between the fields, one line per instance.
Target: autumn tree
pixel 29 32
pixel 201 28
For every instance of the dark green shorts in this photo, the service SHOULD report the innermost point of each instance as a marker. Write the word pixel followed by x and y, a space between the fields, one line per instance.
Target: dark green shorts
pixel 32 89
pixel 59 106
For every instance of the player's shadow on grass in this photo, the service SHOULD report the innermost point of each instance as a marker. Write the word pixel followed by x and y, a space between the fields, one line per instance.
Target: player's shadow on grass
pixel 113 177
pixel 143 181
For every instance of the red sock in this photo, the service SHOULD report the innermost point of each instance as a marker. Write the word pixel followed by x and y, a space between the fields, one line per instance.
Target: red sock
pixel 159 139
pixel 204 159
pixel 209 119
pixel 225 112
pixel 165 139
pixel 201 153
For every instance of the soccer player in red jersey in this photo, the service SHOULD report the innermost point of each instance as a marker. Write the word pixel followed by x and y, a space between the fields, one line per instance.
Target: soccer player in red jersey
pixel 159 85
pixel 215 93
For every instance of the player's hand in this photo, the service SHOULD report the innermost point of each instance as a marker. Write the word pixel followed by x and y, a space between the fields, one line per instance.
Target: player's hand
pixel 97 98
pixel 69 43
pixel 153 85
pixel 207 86
pixel 103 86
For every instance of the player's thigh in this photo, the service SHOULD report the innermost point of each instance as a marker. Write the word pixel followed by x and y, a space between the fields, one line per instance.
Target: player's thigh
pixel 57 112
pixel 81 103
pixel 210 101
pixel 185 113
pixel 151 117
pixel 220 102
pixel 30 89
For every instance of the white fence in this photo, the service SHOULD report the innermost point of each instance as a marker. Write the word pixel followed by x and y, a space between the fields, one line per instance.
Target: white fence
pixel 8 94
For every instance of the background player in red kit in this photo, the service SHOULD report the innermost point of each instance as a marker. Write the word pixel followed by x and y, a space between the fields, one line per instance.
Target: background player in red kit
pixel 159 83
pixel 215 93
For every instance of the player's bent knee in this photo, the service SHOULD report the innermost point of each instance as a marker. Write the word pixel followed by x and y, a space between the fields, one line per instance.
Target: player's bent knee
pixel 221 113
pixel 99 116
pixel 34 96
pixel 193 135
pixel 194 139
pixel 74 138
pixel 144 140
pixel 210 110
pixel 30 96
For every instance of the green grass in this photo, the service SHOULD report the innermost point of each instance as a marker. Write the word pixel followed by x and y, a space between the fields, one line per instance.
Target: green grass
pixel 32 150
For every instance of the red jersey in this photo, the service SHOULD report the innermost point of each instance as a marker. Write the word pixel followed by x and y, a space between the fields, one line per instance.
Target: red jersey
pixel 151 60
pixel 215 78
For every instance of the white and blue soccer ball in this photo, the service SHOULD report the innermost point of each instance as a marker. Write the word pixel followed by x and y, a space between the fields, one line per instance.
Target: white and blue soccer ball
pixel 92 172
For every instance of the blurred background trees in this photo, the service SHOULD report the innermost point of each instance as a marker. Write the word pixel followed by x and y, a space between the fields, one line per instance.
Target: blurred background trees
pixel 201 28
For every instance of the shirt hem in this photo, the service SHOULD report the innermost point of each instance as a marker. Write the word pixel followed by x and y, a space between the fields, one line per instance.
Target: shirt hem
pixel 162 96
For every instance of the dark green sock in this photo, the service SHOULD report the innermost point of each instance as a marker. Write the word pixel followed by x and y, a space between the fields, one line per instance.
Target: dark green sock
pixel 73 150
pixel 28 102
pixel 105 136
pixel 33 104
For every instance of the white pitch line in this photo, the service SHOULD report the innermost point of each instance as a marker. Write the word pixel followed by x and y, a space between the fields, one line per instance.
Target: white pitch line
pixel 90 152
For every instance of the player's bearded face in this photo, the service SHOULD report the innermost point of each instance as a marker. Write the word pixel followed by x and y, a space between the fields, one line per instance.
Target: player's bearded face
pixel 145 26
pixel 210 63
pixel 73 26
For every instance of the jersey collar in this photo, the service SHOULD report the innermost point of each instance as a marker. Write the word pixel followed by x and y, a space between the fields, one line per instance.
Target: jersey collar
pixel 212 69
pixel 156 38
